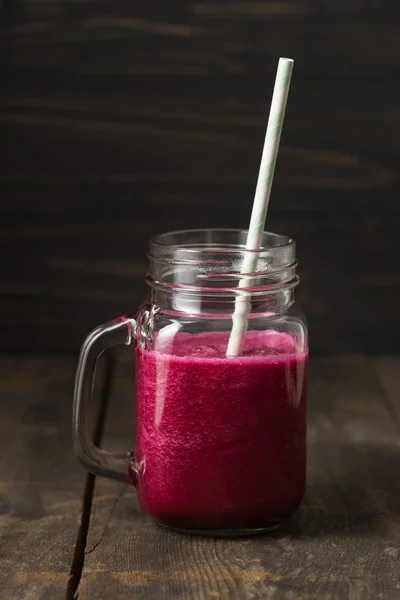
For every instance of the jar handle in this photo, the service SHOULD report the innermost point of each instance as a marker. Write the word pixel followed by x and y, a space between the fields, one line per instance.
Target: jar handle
pixel 97 461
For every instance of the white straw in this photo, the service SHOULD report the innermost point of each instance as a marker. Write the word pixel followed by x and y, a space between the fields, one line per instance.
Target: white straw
pixel 260 205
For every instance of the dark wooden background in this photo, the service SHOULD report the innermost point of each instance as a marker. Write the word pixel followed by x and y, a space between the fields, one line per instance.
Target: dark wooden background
pixel 123 118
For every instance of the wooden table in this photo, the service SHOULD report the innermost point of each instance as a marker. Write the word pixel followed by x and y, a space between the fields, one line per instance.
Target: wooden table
pixel 65 534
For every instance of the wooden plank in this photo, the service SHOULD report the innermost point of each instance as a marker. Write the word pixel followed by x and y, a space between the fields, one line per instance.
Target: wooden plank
pixel 41 483
pixel 202 38
pixel 343 543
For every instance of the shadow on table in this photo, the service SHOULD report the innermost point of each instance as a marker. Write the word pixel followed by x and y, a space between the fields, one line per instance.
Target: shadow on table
pixel 354 494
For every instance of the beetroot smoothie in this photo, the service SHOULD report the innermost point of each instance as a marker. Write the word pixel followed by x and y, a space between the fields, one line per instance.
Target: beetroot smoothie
pixel 221 443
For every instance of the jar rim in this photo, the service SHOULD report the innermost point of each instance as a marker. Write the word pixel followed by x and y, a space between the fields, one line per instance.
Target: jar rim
pixel 209 263
pixel 175 240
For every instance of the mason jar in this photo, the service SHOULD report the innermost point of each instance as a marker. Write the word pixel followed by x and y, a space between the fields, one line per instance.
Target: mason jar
pixel 220 440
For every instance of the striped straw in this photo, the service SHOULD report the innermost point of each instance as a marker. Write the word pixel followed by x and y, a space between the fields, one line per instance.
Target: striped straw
pixel 260 205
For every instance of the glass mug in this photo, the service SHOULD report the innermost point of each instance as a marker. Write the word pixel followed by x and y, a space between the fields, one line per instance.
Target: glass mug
pixel 221 442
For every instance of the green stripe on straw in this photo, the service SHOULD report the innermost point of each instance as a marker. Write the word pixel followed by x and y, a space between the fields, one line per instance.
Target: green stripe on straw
pixel 261 201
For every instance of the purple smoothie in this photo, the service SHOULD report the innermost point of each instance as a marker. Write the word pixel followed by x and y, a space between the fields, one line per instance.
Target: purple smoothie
pixel 221 443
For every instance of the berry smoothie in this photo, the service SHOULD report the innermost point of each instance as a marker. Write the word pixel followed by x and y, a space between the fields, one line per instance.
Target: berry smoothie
pixel 221 443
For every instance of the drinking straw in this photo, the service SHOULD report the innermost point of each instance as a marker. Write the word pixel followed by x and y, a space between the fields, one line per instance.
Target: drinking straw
pixel 260 204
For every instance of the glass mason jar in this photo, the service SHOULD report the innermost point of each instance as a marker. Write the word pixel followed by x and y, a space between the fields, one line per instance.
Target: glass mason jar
pixel 220 441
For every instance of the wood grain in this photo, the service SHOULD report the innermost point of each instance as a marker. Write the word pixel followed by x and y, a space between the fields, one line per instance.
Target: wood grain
pixel 388 370
pixel 343 543
pixel 41 483
pixel 123 121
